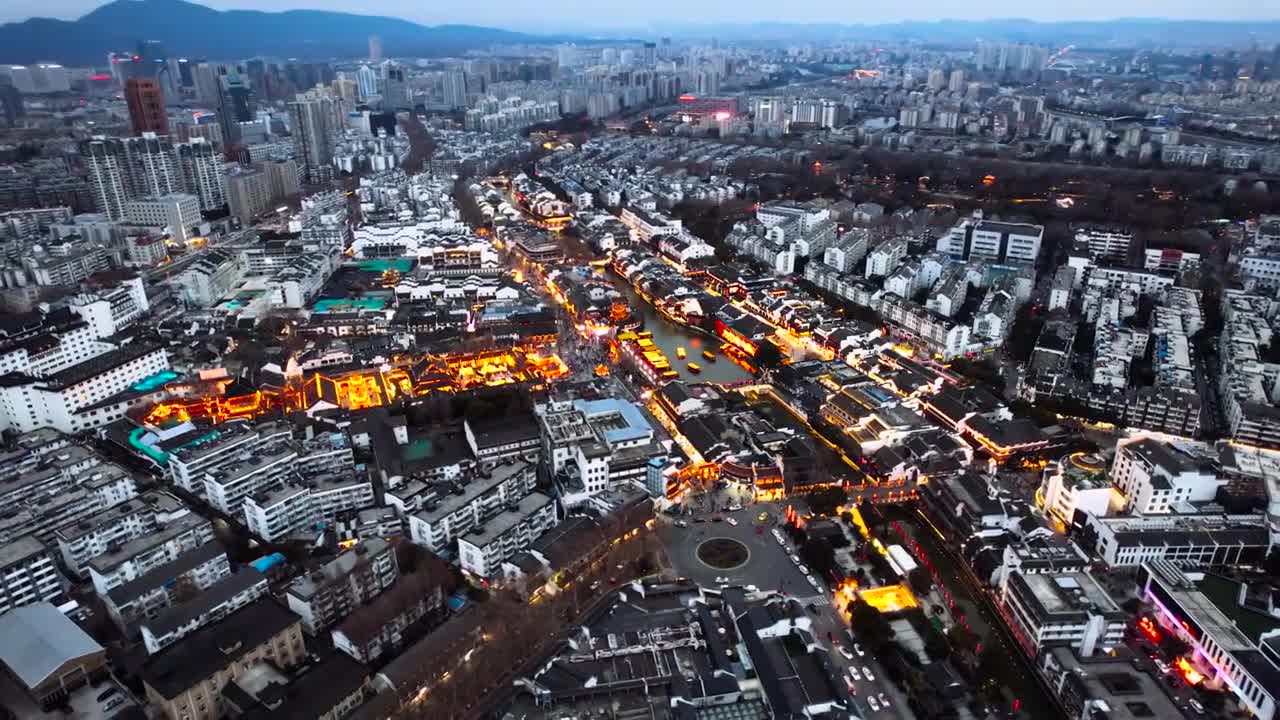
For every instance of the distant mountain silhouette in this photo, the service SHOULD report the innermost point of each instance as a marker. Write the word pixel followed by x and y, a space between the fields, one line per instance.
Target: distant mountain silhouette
pixel 190 30
pixel 1118 33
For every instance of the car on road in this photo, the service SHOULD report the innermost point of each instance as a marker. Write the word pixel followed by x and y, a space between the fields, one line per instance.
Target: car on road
pixel 795 559
pixel 681 524
pixel 782 542
pixel 853 673
pixel 1195 705
pixel 735 507
pixel 804 570
pixel 722 579
pixel 873 703
pixel 867 671
pixel 813 582
pixel 845 652
pixel 731 521
pixel 884 699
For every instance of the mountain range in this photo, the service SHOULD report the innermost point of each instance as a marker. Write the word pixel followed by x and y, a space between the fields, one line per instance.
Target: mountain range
pixel 192 30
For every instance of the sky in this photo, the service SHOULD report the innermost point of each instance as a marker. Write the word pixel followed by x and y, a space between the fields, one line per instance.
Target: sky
pixel 568 15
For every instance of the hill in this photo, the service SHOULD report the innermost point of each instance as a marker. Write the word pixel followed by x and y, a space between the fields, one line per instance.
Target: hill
pixel 193 30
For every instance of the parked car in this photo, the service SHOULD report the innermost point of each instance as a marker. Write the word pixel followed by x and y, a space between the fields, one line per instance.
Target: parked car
pixel 867 671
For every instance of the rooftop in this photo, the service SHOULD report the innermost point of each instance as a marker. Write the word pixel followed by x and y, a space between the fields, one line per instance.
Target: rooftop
pixel 213 648
pixel 36 640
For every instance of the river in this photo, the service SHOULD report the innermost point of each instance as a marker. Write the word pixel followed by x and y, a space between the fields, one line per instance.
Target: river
pixel 668 336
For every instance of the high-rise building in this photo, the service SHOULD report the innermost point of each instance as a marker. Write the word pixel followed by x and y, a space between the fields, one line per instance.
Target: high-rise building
pixel 105 160
pixel 375 48
pixel 367 80
pixel 956 82
pixel 313 120
pixel 124 169
pixel 146 106
pixel 650 54
pixel 937 80
pixel 455 89
pixel 208 84
pixel 248 194
pixel 153 168
pixel 395 93
pixel 235 105
pixel 203 172
pixel 10 102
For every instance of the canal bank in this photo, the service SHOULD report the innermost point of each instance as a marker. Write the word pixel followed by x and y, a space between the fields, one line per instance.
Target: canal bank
pixel 670 337
pixel 1013 668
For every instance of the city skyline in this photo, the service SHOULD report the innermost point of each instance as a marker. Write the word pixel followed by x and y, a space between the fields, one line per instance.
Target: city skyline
pixel 656 17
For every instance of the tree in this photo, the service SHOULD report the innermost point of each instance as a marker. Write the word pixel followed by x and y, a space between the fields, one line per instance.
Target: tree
pixel 869 625
pixel 963 639
pixel 936 646
pixel 768 356
pixel 825 501
pixel 920 580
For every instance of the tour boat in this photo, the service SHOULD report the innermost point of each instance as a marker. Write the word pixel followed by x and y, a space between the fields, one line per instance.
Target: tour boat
pixel 709 355
pixel 680 353
pixel 693 368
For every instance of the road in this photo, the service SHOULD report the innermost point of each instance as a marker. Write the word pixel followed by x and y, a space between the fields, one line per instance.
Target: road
pixel 770 566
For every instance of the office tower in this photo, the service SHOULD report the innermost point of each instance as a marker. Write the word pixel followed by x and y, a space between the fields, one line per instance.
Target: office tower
pixel 347 93
pixel 236 105
pixel 834 114
pixel 375 48
pixel 313 121
pixel 708 83
pixel 248 194
pixel 956 82
pixel 937 80
pixel 395 93
pixel 455 89
pixel 650 54
pixel 207 84
pixel 10 102
pixel 203 172
pixel 770 110
pixel 185 76
pixel 105 160
pixel 146 106
pixel 566 55
pixel 367 80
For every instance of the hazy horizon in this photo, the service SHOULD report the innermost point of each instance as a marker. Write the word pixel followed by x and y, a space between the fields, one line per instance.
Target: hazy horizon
pixel 552 15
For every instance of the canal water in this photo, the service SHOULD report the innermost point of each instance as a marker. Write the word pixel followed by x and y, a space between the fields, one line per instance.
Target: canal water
pixel 668 336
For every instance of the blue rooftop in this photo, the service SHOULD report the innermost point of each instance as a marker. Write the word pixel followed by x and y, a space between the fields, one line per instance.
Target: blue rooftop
pixel 636 427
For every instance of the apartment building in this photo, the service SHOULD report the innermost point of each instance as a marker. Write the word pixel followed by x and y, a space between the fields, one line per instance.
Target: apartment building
pixel 1219 648
pixel 191 572
pixel 219 600
pixel 301 506
pixel 483 548
pixel 134 558
pixel 1156 477
pixel 111 311
pixel 1065 608
pixel 81 541
pixel 1195 541
pixel 376 629
pixel 328 594
pixel 996 242
pixel 27 574
pixel 185 681
pixel 478 496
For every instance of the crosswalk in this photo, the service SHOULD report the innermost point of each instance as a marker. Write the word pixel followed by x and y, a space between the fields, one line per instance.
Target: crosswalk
pixel 816 600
